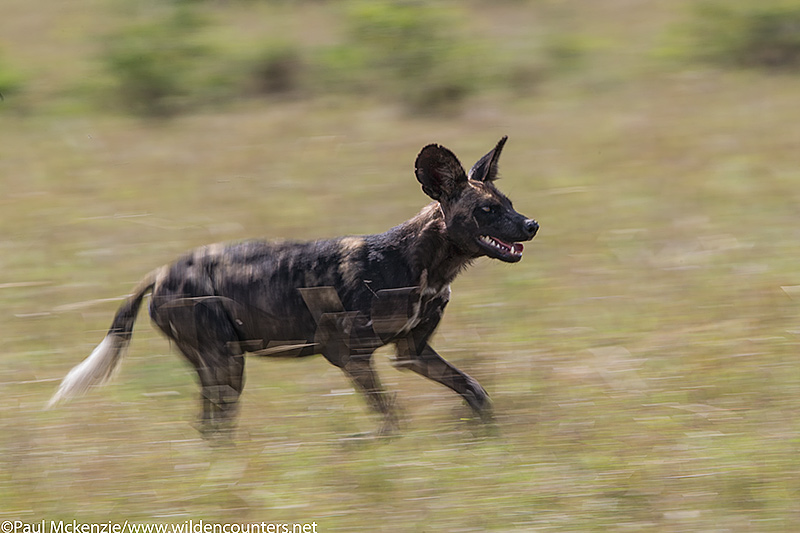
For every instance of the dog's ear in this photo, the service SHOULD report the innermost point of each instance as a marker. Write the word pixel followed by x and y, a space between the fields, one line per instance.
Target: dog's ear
pixel 486 167
pixel 439 171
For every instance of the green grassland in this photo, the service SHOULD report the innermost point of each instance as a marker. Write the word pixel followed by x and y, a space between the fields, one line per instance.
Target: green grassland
pixel 642 357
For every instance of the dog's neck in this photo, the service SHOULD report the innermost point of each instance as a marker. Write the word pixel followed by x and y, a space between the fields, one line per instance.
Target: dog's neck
pixel 430 249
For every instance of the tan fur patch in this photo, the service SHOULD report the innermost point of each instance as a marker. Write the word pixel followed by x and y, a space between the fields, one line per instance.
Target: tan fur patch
pixel 159 275
pixel 351 244
pixel 349 267
pixel 212 250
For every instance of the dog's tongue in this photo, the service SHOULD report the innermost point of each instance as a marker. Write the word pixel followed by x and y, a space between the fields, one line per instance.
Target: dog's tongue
pixel 517 246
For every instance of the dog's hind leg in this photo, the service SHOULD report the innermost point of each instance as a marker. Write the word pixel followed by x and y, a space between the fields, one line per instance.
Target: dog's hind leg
pixel 426 362
pixel 222 383
pixel 204 334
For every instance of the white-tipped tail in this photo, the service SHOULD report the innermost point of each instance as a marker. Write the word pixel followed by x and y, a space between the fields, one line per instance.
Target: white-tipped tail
pixel 93 371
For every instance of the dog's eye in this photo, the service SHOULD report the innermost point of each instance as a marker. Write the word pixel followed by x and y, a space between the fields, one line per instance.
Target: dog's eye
pixel 487 209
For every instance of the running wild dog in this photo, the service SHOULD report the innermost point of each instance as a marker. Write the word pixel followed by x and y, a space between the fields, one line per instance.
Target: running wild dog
pixel 342 298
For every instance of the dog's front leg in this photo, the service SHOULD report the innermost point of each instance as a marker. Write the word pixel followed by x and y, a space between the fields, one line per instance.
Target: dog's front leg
pixel 348 342
pixel 427 362
pixel 359 368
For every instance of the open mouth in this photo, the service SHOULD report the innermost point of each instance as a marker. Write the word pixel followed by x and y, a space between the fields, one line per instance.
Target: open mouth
pixel 511 251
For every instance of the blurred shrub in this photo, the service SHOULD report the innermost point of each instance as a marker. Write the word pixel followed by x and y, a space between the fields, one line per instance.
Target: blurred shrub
pixel 565 52
pixel 762 34
pixel 172 59
pixel 160 66
pixel 11 81
pixel 411 51
pixel 277 69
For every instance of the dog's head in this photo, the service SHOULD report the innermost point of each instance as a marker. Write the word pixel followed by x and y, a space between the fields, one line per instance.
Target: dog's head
pixel 479 218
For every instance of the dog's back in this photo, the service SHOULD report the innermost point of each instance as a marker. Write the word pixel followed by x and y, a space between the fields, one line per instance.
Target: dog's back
pixel 260 285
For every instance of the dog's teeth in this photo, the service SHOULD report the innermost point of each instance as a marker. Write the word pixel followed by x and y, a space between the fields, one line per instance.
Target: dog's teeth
pixel 513 248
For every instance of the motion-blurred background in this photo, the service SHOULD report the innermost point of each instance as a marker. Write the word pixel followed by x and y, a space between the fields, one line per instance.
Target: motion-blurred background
pixel 642 357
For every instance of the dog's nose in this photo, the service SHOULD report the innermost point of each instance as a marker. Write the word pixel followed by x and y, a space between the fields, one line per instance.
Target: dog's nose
pixel 531 226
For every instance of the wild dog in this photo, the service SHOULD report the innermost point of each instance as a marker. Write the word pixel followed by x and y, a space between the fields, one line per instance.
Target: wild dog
pixel 342 298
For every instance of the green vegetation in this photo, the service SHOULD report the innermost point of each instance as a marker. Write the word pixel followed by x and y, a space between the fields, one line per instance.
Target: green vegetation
pixel 415 52
pixel 159 64
pixel 747 34
pixel 410 52
pixel 278 70
pixel 11 82
pixel 643 356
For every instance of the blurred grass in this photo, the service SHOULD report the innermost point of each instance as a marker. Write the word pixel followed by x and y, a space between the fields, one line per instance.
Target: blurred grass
pixel 642 357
